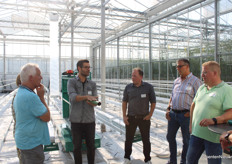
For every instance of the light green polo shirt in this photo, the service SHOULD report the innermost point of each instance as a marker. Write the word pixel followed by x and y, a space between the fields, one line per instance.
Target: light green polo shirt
pixel 208 104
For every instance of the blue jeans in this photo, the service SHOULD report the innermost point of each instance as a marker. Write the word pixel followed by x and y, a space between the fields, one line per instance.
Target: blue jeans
pixel 198 145
pixel 178 120
pixel 80 131
pixel 144 127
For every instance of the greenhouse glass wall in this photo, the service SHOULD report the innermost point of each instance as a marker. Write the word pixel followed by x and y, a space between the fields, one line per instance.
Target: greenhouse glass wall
pixel 152 36
pixel 189 33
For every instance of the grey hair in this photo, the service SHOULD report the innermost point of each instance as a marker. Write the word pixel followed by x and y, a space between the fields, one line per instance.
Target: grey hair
pixel 27 70
pixel 140 71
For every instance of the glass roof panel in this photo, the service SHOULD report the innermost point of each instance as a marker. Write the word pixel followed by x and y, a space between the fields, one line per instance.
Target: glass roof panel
pixel 34 15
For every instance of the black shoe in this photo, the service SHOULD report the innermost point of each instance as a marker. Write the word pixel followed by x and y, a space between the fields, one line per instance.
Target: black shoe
pixel 182 161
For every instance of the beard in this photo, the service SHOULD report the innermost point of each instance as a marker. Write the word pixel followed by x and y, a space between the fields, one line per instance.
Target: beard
pixel 84 74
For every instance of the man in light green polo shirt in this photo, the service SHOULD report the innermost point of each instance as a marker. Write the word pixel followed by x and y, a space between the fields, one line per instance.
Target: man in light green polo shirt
pixel 211 105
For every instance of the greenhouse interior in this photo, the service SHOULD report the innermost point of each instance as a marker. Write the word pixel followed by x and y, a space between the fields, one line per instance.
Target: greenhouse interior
pixel 115 36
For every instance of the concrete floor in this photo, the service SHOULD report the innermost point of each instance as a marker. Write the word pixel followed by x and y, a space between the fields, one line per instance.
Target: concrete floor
pixel 110 152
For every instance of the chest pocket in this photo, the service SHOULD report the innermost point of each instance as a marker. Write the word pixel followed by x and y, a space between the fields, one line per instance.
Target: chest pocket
pixel 138 94
pixel 189 89
pixel 212 99
pixel 89 91
pixel 132 94
pixel 143 95
pixel 79 88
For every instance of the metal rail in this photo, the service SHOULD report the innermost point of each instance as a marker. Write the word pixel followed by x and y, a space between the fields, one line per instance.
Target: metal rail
pixel 7 84
pixel 4 107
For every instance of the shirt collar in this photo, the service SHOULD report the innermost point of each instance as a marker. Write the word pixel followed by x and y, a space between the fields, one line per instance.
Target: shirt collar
pixel 21 86
pixel 80 79
pixel 189 75
pixel 220 84
pixel 142 83
pixel 217 86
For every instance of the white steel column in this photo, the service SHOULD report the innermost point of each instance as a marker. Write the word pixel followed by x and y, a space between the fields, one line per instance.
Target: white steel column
pixel 59 56
pixel 91 60
pixel 103 69
pixel 118 67
pixel 94 64
pixel 4 58
pixel 216 22
pixel 72 23
pixel 99 63
pixel 150 53
pixel 54 55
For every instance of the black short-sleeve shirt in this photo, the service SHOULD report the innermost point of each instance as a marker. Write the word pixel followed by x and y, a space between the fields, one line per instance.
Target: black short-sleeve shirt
pixel 138 98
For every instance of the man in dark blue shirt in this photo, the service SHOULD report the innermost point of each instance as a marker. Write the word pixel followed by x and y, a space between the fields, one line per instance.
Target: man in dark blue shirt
pixel 137 97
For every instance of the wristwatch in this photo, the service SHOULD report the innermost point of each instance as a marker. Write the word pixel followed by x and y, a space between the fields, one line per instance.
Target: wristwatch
pixel 215 121
pixel 227 137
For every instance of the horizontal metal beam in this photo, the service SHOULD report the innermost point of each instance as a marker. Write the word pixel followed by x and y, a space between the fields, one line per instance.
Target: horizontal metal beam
pixel 23 22
pixel 43 41
pixel 162 7
pixel 174 10
pixel 47 24
pixel 32 8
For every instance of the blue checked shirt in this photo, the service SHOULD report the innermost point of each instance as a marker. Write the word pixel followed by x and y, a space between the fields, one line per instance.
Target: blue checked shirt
pixel 184 91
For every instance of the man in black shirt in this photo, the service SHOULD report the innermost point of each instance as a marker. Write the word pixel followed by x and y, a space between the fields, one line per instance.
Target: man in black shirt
pixel 137 96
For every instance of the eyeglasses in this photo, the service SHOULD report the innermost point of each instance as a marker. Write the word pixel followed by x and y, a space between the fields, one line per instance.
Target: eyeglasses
pixel 86 67
pixel 204 73
pixel 180 66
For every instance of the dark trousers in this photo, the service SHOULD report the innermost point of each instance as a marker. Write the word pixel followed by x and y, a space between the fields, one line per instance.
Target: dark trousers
pixel 144 127
pixel 35 155
pixel 178 120
pixel 80 131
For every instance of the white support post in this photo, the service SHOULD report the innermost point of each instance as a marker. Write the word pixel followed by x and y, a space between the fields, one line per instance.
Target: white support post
pixel 54 55
pixel 103 69
pixel 4 59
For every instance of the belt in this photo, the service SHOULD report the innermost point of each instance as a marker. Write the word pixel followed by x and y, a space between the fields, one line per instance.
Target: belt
pixel 180 111
pixel 137 116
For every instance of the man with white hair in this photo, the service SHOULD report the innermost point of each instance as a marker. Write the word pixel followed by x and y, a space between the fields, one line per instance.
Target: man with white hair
pixel 32 115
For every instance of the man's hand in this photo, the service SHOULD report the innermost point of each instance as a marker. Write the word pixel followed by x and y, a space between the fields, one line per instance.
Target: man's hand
pixel 190 128
pixel 187 114
pixel 206 122
pixel 91 98
pixel 224 143
pixel 90 103
pixel 125 119
pixel 40 91
pixel 167 115
pixel 147 117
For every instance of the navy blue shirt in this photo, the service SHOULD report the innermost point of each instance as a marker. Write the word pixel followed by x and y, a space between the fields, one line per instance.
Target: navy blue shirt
pixel 138 98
